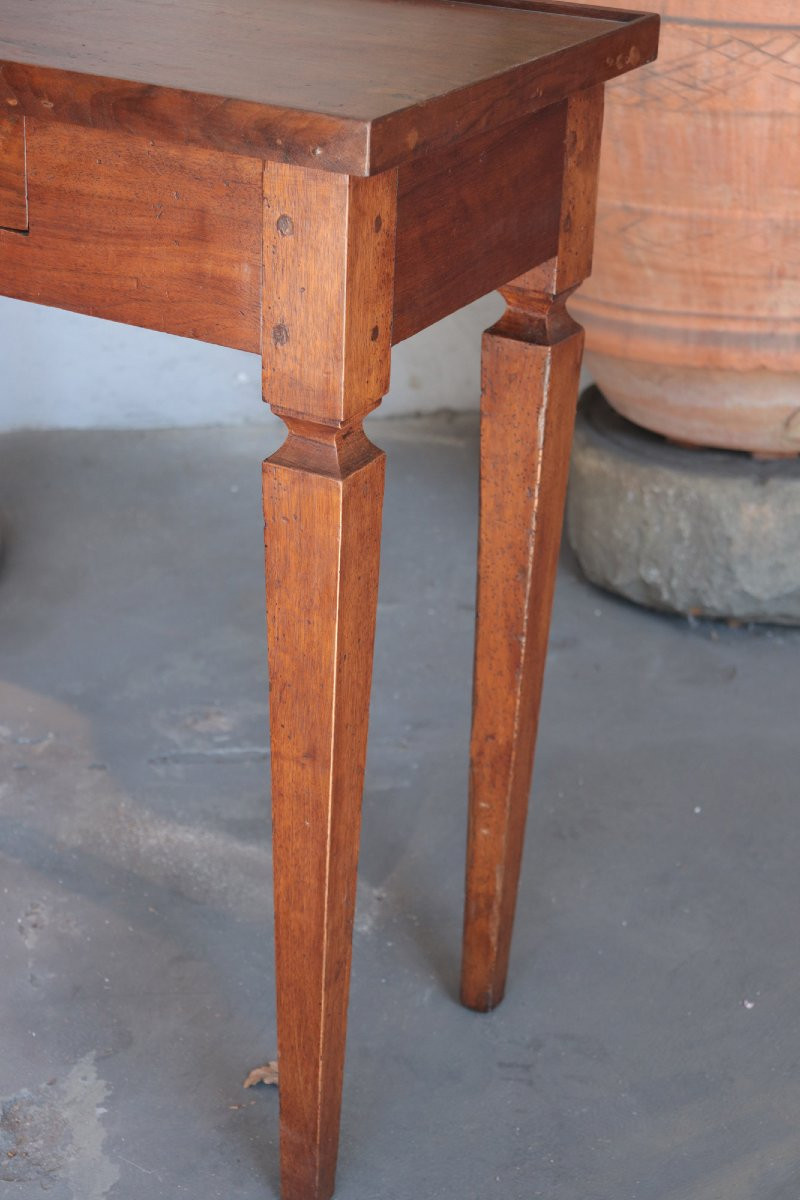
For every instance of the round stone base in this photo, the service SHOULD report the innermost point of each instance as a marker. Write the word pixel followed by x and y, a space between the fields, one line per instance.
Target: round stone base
pixel 710 533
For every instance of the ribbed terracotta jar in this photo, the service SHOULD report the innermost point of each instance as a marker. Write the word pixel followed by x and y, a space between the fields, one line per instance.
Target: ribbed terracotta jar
pixel 693 311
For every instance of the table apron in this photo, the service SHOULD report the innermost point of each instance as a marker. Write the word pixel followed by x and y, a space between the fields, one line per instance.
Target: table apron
pixel 159 236
pixel 473 217
pixel 13 183
pixel 116 225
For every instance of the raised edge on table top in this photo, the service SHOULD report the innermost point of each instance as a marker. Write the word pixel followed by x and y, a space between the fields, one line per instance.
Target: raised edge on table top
pixel 355 86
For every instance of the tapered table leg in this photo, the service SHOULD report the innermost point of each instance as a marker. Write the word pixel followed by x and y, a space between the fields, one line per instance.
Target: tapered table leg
pixel 329 254
pixel 530 374
pixel 322 536
pixel 527 413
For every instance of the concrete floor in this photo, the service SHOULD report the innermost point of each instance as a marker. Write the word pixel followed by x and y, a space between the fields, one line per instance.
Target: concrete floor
pixel 648 1047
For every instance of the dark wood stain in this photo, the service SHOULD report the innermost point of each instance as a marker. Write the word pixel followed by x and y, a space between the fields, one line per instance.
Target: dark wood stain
pixel 313 182
pixel 13 182
pixel 359 86
pixel 460 232
pixel 157 236
pixel 530 372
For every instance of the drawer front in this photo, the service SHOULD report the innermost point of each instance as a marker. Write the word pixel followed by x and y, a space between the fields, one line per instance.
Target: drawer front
pixel 13 183
pixel 166 237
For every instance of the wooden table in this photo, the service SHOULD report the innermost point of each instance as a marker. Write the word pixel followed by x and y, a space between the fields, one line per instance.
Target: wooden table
pixel 316 182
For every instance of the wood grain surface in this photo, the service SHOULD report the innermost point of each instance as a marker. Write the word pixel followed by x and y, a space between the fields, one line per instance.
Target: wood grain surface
pixel 531 370
pixel 322 516
pixel 356 86
pixel 329 253
pixel 314 182
pixel 150 235
pixel 171 239
pixel 13 185
pixel 461 228
pixel 570 8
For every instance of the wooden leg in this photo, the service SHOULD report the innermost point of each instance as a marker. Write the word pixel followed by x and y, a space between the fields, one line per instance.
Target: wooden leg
pixel 531 367
pixel 328 288
pixel 322 523
pixel 527 416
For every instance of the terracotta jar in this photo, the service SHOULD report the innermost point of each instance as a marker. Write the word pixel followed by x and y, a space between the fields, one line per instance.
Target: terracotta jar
pixel 693 311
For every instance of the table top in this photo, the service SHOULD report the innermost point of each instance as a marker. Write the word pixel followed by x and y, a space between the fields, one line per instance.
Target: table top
pixel 348 85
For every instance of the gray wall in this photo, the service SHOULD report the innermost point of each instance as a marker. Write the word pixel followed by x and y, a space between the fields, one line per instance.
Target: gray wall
pixel 66 371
